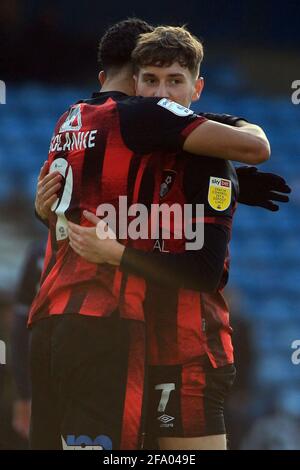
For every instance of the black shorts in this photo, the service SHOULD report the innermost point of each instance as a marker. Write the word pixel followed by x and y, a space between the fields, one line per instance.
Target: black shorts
pixel 87 382
pixel 187 400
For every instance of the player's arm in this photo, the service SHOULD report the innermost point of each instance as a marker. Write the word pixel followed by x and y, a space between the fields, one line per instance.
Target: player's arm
pixel 153 124
pixel 247 143
pixel 235 121
pixel 198 270
pixel 256 189
pixel 269 187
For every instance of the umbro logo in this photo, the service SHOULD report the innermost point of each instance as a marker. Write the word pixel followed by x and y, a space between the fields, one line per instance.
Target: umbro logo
pixel 165 419
pixel 167 182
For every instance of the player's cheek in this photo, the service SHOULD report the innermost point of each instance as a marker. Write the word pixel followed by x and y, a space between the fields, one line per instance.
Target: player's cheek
pixel 145 90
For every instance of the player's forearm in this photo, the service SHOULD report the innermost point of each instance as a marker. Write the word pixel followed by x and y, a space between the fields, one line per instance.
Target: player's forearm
pixel 199 270
pixel 258 150
pixel 242 144
pixel 252 129
pixel 248 128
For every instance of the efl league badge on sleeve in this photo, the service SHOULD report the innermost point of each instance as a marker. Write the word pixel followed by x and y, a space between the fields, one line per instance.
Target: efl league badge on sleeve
pixel 219 193
pixel 175 108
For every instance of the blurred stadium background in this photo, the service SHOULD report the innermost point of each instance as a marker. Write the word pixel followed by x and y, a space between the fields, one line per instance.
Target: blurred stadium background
pixel 48 60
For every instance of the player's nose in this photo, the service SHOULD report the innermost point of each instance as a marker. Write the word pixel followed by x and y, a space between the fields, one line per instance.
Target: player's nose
pixel 162 91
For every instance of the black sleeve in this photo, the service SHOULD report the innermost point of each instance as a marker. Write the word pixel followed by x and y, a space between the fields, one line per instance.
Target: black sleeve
pixel 154 124
pixel 223 118
pixel 198 270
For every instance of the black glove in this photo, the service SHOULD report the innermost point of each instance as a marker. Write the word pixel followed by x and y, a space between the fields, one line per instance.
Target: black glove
pixel 223 118
pixel 261 189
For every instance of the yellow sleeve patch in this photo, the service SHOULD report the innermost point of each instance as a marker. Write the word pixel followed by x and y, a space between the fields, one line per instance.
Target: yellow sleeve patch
pixel 219 193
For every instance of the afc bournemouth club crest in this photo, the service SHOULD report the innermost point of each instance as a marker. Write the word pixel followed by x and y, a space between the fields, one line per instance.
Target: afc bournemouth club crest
pixel 219 193
pixel 167 182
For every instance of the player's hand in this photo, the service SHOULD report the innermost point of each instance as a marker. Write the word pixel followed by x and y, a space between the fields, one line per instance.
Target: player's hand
pixel 86 243
pixel 48 186
pixel 261 189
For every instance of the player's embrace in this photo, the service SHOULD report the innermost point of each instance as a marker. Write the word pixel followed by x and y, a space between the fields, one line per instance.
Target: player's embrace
pixel 93 309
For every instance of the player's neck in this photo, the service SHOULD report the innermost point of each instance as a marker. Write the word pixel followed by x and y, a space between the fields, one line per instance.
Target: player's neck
pixel 119 80
pixel 122 85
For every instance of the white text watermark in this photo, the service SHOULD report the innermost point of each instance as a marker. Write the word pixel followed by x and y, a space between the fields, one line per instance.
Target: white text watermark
pixel 295 357
pixel 2 92
pixel 178 222
pixel 296 94
pixel 2 352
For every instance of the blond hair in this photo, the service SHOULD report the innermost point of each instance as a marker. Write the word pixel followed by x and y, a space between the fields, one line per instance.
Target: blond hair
pixel 166 45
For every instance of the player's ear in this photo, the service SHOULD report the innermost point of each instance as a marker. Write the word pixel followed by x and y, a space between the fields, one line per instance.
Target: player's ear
pixel 102 77
pixel 199 84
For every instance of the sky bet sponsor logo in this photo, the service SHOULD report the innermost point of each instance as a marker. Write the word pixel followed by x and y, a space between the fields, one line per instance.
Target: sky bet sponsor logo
pixel 86 443
pixel 220 182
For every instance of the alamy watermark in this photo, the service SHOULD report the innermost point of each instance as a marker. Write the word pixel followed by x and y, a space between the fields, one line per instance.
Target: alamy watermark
pixel 296 94
pixel 178 222
pixel 2 92
pixel 295 357
pixel 2 352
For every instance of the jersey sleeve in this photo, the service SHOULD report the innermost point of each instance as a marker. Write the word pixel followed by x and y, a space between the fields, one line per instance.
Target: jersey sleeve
pixel 212 182
pixel 199 270
pixel 151 124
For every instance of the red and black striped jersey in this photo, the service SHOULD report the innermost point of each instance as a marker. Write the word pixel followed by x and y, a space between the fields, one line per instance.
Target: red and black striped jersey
pixel 100 146
pixel 186 322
